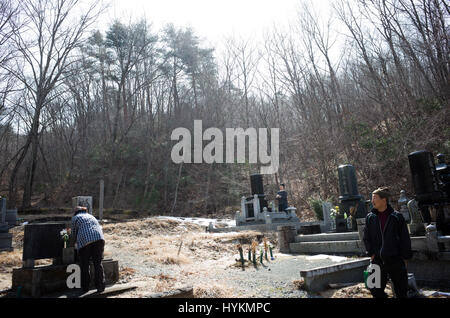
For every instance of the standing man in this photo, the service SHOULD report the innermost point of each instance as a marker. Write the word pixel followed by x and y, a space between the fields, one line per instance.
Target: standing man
pixel 282 198
pixel 388 244
pixel 90 244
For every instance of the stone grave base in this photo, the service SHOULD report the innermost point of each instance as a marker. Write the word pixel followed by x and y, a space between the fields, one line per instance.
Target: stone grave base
pixel 52 278
pixel 6 242
pixel 309 229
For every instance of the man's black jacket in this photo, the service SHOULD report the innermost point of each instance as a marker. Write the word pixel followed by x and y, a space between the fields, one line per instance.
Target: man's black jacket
pixel 393 242
pixel 282 202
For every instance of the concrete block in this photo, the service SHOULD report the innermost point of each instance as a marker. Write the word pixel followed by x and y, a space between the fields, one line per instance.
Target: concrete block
pixel 330 247
pixel 318 279
pixel 286 235
pixel 324 237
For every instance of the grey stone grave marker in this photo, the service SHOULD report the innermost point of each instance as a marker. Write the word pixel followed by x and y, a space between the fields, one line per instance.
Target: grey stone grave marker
pixel 326 211
pixel 85 201
pixel 43 240
pixel 3 210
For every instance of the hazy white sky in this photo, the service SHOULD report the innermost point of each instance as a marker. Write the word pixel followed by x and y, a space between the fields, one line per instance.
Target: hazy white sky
pixel 211 19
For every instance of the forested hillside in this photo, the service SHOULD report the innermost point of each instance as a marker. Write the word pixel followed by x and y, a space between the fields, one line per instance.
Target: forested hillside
pixel 366 86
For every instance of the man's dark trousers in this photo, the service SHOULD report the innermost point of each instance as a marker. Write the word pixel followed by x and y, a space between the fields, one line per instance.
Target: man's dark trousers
pixel 396 269
pixel 93 250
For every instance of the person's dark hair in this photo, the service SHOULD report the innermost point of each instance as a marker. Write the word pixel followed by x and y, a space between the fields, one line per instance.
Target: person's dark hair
pixel 383 193
pixel 283 185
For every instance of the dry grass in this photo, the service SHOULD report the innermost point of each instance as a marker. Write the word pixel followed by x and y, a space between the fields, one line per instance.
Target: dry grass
pixel 357 291
pixel 164 282
pixel 150 227
pixel 17 233
pixel 172 260
pixel 212 291
pixel 10 259
pixel 126 273
pixel 299 284
pixel 161 247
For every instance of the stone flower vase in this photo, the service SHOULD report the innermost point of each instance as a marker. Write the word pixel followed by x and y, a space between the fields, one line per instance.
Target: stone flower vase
pixel 68 255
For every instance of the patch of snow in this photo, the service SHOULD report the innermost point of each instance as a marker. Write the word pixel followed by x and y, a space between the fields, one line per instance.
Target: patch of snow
pixel 200 221
pixel 323 256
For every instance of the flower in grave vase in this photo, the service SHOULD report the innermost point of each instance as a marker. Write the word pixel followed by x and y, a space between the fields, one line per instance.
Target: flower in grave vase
pixel 65 235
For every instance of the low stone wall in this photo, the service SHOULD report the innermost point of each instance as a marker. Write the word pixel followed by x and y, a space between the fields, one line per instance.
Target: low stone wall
pixel 262 227
pixel 318 279
pixel 324 237
pixel 351 247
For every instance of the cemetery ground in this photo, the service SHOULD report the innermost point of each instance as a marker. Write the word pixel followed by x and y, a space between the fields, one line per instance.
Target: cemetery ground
pixel 160 254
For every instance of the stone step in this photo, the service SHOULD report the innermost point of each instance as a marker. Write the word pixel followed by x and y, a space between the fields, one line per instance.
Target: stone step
pixel 329 247
pixel 322 237
pixel 444 239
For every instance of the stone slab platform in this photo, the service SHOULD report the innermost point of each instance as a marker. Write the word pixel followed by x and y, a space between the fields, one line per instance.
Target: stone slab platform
pixel 52 278
pixel 348 236
pixel 318 279
pixel 328 247
pixel 346 247
pixel 263 227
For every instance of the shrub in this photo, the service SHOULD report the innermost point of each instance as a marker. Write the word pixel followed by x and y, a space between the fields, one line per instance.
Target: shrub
pixel 316 206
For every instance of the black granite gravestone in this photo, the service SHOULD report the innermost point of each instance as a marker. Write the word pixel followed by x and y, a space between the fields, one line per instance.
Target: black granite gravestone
pixel 43 240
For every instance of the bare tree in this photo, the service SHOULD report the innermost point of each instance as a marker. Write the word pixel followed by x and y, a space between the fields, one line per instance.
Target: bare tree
pixel 44 50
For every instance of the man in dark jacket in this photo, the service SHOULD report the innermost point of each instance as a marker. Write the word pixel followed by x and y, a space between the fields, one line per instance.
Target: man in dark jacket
pixel 282 198
pixel 388 244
